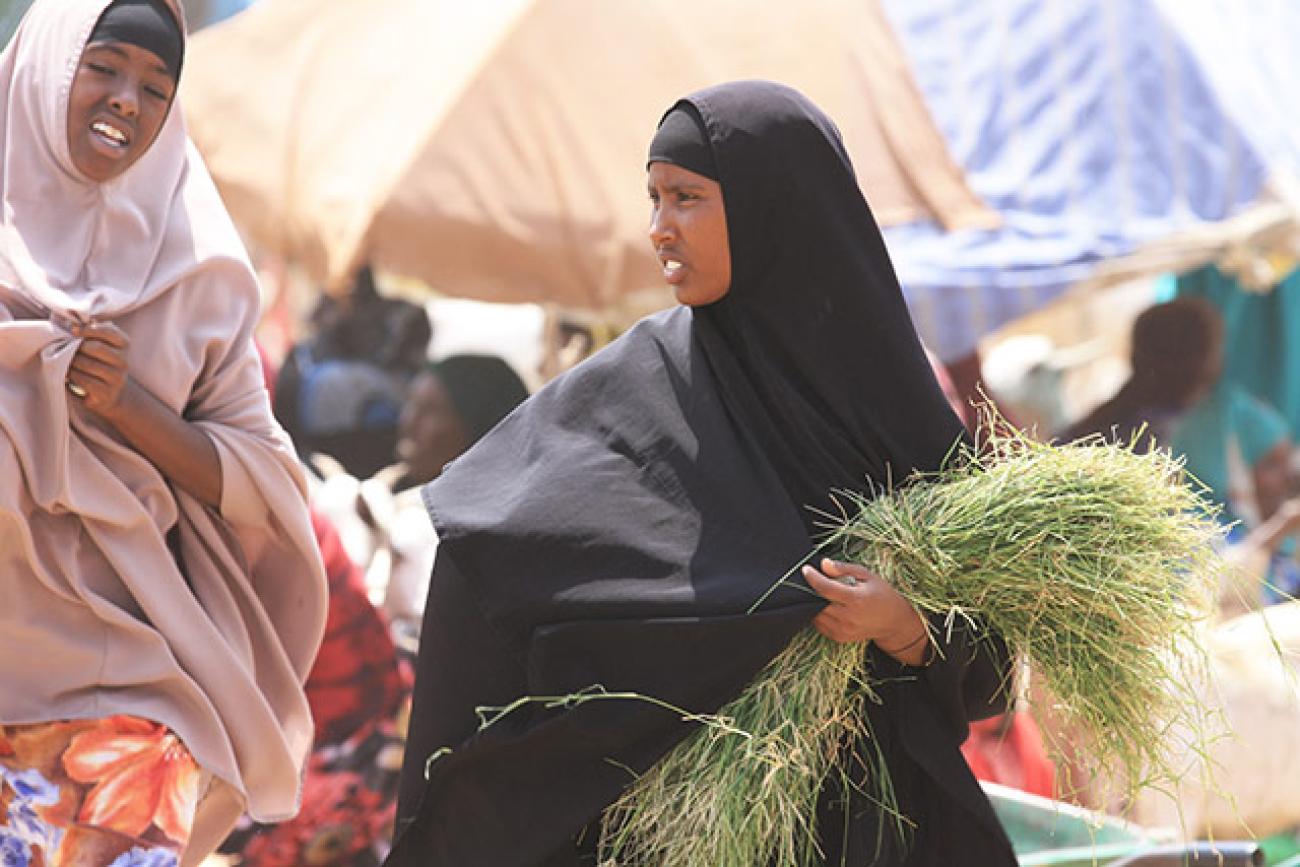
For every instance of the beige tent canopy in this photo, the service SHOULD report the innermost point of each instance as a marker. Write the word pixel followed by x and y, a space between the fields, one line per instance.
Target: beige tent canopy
pixel 494 149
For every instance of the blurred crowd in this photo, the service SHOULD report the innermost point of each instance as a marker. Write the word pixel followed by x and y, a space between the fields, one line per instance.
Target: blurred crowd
pixel 373 419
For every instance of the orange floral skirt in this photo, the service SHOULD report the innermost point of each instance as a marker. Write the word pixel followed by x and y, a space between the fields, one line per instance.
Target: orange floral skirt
pixel 114 792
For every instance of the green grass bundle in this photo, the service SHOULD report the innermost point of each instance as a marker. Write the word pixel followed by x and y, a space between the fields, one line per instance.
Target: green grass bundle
pixel 739 791
pixel 1095 562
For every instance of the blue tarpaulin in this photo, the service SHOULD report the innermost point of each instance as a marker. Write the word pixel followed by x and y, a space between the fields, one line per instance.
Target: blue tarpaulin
pixel 1248 52
pixel 1092 126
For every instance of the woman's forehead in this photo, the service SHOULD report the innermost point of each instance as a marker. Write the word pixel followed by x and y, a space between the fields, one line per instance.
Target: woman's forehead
pixel 129 52
pixel 662 173
pixel 150 25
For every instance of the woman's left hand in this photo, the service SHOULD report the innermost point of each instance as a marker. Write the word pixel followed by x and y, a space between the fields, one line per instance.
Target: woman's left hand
pixel 99 374
pixel 865 607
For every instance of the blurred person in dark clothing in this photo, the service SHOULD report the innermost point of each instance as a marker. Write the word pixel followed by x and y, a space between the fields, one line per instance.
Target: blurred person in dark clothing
pixel 340 391
pixel 452 403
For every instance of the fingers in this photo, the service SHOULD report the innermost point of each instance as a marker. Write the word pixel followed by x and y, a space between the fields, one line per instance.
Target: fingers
pixel 831 627
pixel 837 581
pixel 825 587
pixel 102 352
pixel 103 332
pixel 98 372
pixel 101 358
pixel 839 569
pixel 84 368
pixel 832 623
pixel 868 610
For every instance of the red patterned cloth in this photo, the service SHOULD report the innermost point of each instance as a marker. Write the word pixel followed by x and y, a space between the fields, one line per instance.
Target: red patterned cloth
pixel 349 804
pixel 357 677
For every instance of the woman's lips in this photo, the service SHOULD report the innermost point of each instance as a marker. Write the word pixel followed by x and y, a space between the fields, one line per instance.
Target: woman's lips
pixel 109 139
pixel 674 271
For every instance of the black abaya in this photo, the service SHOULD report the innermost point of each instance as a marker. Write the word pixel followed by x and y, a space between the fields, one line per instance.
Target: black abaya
pixel 616 529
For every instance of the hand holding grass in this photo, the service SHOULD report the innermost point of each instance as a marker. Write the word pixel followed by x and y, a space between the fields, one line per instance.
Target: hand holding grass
pixel 1096 561
pixel 865 607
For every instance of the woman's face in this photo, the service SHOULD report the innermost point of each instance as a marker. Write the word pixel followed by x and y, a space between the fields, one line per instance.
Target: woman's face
pixel 688 228
pixel 430 432
pixel 119 100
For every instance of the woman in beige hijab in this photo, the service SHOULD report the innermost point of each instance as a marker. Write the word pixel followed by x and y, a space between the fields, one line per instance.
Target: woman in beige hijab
pixel 161 597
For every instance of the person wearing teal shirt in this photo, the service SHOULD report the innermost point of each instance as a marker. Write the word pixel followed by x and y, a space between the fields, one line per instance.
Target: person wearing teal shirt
pixel 1238 447
pixel 1234 444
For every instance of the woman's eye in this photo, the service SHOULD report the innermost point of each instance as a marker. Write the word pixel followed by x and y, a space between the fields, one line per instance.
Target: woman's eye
pixel 157 93
pixel 100 68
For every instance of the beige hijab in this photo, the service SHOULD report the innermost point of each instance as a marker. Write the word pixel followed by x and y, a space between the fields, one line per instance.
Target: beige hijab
pixel 118 592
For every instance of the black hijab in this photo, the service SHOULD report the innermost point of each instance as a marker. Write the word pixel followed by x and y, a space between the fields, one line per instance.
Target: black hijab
pixel 147 24
pixel 483 388
pixel 683 140
pixel 615 530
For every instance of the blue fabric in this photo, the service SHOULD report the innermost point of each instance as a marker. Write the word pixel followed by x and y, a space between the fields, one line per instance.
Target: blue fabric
pixel 1089 125
pixel 1248 53
pixel 10 15
pixel 1282 582
pixel 347 396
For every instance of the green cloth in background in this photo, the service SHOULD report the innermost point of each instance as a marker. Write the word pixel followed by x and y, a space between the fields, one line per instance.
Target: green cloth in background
pixel 1262 335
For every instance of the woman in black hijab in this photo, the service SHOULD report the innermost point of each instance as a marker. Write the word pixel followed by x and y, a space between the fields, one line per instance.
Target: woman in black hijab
pixel 614 531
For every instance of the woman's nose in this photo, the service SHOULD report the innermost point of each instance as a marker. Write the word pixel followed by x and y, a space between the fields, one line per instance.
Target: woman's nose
pixel 660 229
pixel 125 102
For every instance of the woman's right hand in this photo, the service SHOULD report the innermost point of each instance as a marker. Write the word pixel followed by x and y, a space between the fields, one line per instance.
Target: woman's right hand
pixel 862 606
pixel 99 374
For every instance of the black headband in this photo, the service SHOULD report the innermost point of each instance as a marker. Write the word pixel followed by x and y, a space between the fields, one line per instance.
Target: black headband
pixel 683 141
pixel 148 24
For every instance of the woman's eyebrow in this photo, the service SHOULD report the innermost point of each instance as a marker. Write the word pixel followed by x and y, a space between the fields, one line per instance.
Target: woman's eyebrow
pixel 682 187
pixel 120 52
pixel 109 47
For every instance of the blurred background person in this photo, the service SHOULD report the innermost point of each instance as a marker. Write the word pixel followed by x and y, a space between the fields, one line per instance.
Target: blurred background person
pixel 451 404
pixel 340 391
pixel 1234 444
pixel 1176 353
